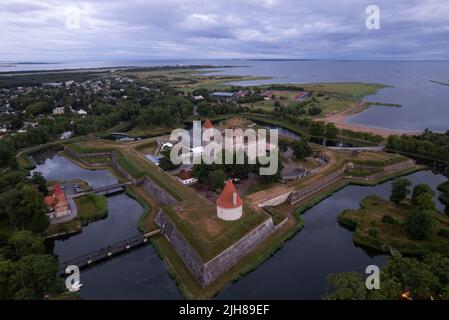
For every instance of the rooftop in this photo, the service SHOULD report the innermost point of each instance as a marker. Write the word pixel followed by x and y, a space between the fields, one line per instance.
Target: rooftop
pixel 223 94
pixel 226 198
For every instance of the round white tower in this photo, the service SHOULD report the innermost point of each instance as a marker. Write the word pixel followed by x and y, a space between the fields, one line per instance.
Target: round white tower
pixel 229 204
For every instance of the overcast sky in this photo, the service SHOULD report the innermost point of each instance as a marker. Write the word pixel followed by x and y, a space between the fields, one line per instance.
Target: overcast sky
pixel 48 30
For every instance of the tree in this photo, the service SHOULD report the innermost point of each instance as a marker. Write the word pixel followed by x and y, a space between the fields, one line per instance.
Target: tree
pixel 414 275
pixel 36 275
pixel 165 163
pixel 314 110
pixel 283 145
pixel 301 149
pixel 5 154
pixel 277 175
pixel 8 287
pixel 318 128
pixel 424 201
pixel 25 243
pixel 400 189
pixel 346 286
pixel 419 225
pixel 39 180
pixel 331 131
pixel 420 189
pixel 216 179
pixel 30 212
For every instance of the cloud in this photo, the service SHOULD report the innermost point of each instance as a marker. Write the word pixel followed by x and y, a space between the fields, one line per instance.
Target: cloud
pixel 38 29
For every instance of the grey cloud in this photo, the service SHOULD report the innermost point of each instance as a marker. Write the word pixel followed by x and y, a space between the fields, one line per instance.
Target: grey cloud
pixel 415 29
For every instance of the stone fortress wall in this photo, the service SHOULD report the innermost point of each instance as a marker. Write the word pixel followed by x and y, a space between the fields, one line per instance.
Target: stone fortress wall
pixel 207 272
pixel 204 272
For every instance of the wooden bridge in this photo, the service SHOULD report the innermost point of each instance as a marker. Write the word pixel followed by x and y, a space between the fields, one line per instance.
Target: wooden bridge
pixel 109 251
pixel 105 190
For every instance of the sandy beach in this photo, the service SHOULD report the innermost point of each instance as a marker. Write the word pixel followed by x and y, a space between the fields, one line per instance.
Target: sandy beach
pixel 339 119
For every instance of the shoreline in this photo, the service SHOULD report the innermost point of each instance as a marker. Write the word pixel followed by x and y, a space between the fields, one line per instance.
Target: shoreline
pixel 340 121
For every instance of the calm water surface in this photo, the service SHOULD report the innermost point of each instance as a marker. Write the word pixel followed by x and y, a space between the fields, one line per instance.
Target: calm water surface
pixel 139 274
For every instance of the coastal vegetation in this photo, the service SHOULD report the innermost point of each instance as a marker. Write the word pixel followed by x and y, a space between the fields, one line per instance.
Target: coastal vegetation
pixel 429 145
pixel 411 227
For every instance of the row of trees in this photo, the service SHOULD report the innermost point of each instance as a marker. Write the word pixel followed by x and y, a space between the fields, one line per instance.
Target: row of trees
pixel 428 145
pixel 27 270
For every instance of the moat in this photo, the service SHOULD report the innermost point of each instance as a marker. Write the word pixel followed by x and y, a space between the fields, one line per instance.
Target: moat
pixel 297 271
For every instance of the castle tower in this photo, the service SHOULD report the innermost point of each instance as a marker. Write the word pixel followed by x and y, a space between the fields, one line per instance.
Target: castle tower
pixel 207 124
pixel 229 204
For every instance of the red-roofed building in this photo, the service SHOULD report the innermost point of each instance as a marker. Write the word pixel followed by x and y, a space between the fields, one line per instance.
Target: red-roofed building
pixel 57 202
pixel 229 204
pixel 186 177
pixel 207 124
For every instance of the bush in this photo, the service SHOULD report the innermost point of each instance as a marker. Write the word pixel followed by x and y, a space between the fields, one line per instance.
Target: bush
pixel 444 187
pixel 389 219
pixel 347 222
pixel 373 233
pixel 444 233
pixel 419 225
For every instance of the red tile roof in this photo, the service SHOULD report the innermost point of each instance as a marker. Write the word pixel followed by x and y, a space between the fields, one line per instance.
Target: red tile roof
pixel 207 124
pixel 57 200
pixel 57 189
pixel 49 201
pixel 225 200
pixel 185 174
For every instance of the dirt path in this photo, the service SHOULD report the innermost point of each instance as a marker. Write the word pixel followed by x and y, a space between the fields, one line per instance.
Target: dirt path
pixel 339 119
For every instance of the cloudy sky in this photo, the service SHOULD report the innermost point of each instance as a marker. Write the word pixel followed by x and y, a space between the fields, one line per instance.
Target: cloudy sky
pixel 51 30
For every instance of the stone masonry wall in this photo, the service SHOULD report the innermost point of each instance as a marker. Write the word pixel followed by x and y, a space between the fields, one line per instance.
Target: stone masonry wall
pixel 155 191
pixel 81 156
pixel 207 272
pixel 275 201
pixel 317 186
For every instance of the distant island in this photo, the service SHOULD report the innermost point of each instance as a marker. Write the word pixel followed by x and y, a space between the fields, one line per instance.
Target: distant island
pixel 440 82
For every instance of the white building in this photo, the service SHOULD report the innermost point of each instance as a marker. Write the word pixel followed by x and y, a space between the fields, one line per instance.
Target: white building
pixel 59 110
pixel 229 204
pixel 82 112
pixel 66 135
pixel 186 177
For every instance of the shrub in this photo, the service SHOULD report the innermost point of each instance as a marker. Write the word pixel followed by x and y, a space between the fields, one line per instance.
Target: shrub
pixel 389 219
pixel 444 233
pixel 419 225
pixel 373 233
pixel 347 222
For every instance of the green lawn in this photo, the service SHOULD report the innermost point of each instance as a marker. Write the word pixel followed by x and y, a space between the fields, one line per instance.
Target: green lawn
pixel 331 97
pixel 146 148
pixel 97 159
pixel 208 246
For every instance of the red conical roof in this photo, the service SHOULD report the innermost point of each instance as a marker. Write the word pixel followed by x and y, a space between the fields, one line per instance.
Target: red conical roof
pixel 225 200
pixel 207 124
pixel 57 189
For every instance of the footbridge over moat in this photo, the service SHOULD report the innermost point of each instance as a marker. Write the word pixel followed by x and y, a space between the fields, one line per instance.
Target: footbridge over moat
pixel 105 190
pixel 116 249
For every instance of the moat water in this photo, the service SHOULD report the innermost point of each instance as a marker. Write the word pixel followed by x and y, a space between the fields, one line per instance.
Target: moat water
pixel 297 271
